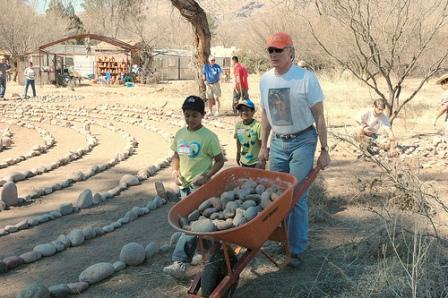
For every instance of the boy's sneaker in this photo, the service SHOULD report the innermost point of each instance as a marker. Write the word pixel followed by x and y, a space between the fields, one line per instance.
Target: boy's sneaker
pixel 177 270
pixel 197 259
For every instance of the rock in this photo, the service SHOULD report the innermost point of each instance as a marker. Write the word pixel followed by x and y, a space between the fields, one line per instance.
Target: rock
pixel 11 229
pixel 132 254
pixel 249 203
pixel 46 249
pixel 165 248
pixel 13 262
pixel 9 194
pixel 59 245
pixel 85 199
pixel 96 273
pixel 66 208
pixel 98 199
pixel 2 205
pixel 260 189
pixel 89 233
pixel 119 265
pixel 129 180
pixel 160 189
pixel 3 267
pixel 250 213
pixel 142 174
pixel 35 290
pixel 174 237
pixel 151 249
pixel 152 204
pixel 76 237
pixel 131 215
pixel 203 226
pixel 62 238
pixel 223 224
pixel 60 290
pixel 159 201
pixel 194 215
pixel 77 287
pixel 108 228
pixel 31 256
pixel 22 224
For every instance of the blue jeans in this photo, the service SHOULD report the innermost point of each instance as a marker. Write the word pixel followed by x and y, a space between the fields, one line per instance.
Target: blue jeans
pixel 33 86
pixel 295 156
pixel 2 87
pixel 187 244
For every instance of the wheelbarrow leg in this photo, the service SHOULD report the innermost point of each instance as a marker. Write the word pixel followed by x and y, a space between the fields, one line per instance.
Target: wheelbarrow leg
pixel 196 284
pixel 280 235
pixel 234 274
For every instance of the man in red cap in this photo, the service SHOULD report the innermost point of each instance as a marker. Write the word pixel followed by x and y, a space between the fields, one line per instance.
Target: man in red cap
pixel 292 108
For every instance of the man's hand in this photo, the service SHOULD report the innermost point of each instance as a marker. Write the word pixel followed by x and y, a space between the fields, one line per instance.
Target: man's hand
pixel 324 159
pixel 434 123
pixel 263 155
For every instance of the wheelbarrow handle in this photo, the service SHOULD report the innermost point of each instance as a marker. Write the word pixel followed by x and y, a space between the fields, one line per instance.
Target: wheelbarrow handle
pixel 304 184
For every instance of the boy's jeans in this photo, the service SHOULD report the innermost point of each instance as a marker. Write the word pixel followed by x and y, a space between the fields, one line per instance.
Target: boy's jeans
pixel 2 87
pixel 186 245
pixel 295 156
pixel 33 86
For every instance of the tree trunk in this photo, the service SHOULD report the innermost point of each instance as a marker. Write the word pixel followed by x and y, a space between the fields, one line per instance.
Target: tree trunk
pixel 191 11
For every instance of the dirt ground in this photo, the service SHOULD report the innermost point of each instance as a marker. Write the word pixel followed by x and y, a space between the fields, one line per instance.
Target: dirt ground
pixel 343 221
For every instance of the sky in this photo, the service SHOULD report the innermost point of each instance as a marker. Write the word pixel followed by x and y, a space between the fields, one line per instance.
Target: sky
pixel 41 5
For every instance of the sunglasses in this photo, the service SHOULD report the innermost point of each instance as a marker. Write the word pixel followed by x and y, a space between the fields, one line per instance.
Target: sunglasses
pixel 275 50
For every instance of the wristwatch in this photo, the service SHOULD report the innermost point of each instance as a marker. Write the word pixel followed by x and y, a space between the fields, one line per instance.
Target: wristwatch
pixel 325 148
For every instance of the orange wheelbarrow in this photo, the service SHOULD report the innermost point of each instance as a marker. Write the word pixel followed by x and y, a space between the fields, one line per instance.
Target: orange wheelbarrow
pixel 269 224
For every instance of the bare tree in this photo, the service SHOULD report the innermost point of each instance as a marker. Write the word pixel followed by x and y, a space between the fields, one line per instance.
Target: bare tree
pixel 21 30
pixel 191 11
pixel 384 42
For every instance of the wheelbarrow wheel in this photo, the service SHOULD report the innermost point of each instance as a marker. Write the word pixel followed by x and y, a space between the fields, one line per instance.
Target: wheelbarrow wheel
pixel 215 270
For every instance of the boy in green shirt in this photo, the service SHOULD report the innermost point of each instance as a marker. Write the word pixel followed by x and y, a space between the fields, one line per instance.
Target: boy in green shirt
pixel 197 157
pixel 247 135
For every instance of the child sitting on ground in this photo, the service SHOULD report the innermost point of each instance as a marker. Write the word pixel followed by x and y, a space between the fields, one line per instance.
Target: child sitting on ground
pixel 197 157
pixel 247 135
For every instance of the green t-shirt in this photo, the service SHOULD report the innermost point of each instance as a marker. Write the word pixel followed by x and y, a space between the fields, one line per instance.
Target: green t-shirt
pixel 196 150
pixel 249 136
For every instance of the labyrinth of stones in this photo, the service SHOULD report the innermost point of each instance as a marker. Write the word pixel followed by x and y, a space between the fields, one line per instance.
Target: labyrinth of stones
pixel 67 177
pixel 78 198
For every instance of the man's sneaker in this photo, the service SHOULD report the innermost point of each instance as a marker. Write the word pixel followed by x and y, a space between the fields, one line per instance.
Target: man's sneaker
pixel 296 261
pixel 176 270
pixel 216 114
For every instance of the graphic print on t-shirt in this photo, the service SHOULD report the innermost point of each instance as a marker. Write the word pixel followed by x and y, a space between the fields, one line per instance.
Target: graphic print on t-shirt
pixel 191 150
pixel 280 106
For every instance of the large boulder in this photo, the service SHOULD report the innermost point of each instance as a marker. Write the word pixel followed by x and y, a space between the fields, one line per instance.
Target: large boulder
pixel 9 194
pixel 85 199
pixel 96 273
pixel 132 254
pixel 35 290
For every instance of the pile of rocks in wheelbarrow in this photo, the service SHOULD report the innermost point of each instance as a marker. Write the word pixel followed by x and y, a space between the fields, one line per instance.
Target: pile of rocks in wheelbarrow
pixel 232 208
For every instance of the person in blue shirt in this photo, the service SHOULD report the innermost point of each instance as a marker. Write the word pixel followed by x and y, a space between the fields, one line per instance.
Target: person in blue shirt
pixel 211 73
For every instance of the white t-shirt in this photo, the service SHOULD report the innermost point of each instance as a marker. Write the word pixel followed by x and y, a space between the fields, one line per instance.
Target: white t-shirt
pixel 368 118
pixel 288 98
pixel 30 74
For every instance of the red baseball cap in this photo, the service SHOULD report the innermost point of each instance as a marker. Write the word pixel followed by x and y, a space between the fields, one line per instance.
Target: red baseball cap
pixel 279 40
